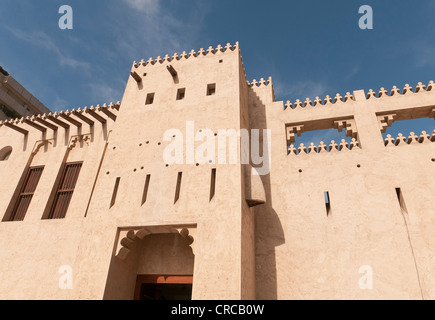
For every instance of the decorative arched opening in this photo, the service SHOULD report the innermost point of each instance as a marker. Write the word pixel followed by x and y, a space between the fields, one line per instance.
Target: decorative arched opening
pixel 5 153
pixel 152 263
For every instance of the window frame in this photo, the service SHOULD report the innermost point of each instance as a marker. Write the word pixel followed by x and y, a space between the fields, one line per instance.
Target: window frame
pixel 61 214
pixel 15 215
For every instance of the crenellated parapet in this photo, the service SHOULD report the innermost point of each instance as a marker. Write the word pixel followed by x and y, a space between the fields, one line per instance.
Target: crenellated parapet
pixel 328 100
pixel 343 146
pixel 402 140
pixel 349 98
pixel 263 89
pixel 186 56
pixel 260 84
pixel 64 119
pixel 406 91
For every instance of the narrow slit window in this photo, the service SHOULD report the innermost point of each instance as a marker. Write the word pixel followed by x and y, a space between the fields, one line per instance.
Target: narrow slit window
pixel 181 93
pixel 150 99
pixel 178 188
pixel 65 190
pixel 401 200
pixel 145 190
pixel 211 89
pixel 328 204
pixel 115 192
pixel 26 193
pixel 213 184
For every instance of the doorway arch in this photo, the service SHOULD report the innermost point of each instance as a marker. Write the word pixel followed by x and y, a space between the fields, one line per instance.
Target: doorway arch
pixel 163 253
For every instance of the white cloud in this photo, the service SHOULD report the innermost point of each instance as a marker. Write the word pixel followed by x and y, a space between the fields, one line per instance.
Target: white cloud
pixel 103 93
pixel 301 90
pixel 41 39
pixel 59 104
pixel 159 28
pixel 352 72
pixel 424 55
pixel 147 6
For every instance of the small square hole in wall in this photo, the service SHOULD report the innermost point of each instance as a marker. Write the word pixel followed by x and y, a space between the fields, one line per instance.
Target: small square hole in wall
pixel 211 89
pixel 150 98
pixel 181 93
pixel 221 61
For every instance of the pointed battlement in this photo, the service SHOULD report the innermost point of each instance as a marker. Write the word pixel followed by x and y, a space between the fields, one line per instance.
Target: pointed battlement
pixel 406 91
pixel 41 120
pixel 323 148
pixel 328 100
pixel 401 140
pixel 185 56
pixel 263 88
pixel 261 83
pixel 43 124
pixel 349 98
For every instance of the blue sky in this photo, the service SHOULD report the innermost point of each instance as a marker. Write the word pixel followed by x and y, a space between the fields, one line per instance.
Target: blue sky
pixel 310 48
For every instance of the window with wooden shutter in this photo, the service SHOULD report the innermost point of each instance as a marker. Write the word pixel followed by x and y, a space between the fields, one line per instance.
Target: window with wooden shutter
pixel 26 193
pixel 65 190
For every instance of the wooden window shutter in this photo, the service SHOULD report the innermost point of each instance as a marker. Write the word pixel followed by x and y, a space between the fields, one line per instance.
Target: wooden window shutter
pixel 65 190
pixel 26 193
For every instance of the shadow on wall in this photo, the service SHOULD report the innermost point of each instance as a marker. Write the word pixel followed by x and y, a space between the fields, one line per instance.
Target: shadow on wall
pixel 269 233
pixel 5 153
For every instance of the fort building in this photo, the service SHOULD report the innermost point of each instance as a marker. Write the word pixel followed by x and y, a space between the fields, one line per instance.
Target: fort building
pixel 91 209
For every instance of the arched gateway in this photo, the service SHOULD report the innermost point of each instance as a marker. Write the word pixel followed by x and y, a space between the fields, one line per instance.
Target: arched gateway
pixel 152 263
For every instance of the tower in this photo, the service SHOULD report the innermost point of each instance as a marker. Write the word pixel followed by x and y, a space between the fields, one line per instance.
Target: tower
pixel 187 95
